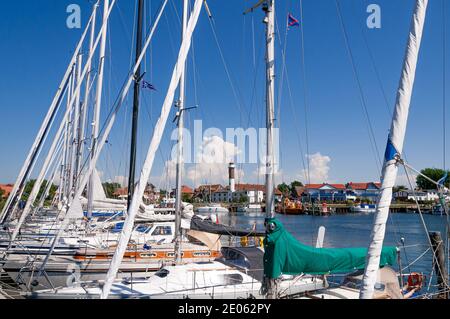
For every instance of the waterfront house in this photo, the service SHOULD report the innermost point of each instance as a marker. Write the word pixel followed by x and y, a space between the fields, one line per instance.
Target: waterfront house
pixel 326 192
pixel 253 193
pixel 186 191
pixel 203 193
pixel 7 189
pixel 121 193
pixel 221 195
pixel 369 190
pixel 419 195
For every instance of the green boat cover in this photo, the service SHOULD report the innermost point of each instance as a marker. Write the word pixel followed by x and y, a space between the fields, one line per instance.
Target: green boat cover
pixel 286 255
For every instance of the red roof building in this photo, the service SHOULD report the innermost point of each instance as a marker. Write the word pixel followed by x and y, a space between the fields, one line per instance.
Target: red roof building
pixel 363 186
pixel 7 189
pixel 325 186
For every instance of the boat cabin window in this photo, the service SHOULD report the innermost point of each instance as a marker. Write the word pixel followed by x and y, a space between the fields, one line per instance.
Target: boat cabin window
pixel 356 283
pixel 236 258
pixel 162 273
pixel 229 279
pixel 162 231
pixel 143 229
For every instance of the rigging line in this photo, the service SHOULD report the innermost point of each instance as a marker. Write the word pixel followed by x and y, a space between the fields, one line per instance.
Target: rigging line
pixel 389 110
pixel 361 93
pixel 415 260
pixel 281 82
pixel 285 75
pixel 253 43
pixel 305 88
pixel 236 94
pixel 444 95
pixel 435 260
pixel 256 72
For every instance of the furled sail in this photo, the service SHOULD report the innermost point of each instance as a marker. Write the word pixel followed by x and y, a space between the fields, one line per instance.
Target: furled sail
pixel 207 226
pixel 285 255
pixel 394 147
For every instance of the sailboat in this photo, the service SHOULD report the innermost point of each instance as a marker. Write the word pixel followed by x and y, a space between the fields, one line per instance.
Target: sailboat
pixel 83 231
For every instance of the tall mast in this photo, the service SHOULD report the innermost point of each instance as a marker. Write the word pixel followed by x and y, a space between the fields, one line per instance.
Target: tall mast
pixel 269 9
pixel 42 134
pixel 394 148
pixel 180 160
pixel 85 105
pixel 137 90
pixel 98 99
pixel 68 145
pixel 72 207
pixel 76 128
pixel 154 145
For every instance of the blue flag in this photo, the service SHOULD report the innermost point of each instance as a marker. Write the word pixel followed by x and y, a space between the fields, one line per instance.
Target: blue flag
pixel 292 22
pixel 441 182
pixel 147 85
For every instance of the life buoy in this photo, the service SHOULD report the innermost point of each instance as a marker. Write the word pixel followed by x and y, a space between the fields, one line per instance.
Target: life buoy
pixel 415 280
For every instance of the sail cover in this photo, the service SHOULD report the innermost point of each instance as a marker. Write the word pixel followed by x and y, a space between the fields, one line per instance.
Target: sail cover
pixel 285 255
pixel 207 226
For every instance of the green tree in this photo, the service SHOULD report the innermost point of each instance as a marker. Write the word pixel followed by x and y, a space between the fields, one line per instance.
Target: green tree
pixel 295 184
pixel 284 188
pixel 29 187
pixel 186 198
pixel 244 199
pixel 433 173
pixel 110 189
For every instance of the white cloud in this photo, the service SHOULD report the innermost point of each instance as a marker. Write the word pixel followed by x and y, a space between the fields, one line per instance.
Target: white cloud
pixel 212 161
pixel 319 168
pixel 260 174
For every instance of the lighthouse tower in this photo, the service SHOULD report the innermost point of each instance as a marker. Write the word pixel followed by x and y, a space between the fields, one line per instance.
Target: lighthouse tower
pixel 231 171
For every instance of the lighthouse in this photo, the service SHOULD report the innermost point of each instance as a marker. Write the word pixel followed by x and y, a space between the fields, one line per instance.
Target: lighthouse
pixel 231 171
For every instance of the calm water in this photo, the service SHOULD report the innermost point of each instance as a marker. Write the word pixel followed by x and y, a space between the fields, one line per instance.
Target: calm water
pixel 354 231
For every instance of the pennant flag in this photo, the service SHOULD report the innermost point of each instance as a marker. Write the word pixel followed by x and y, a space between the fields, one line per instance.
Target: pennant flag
pixel 147 85
pixel 292 22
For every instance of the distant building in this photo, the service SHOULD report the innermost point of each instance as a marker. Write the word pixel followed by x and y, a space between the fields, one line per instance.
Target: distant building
pixel 7 189
pixel 326 192
pixel 151 194
pixel 254 193
pixel 204 193
pixel 221 195
pixel 368 190
pixel 419 195
pixel 121 193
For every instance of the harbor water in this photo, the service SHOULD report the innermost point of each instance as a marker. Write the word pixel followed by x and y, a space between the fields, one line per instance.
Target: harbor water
pixel 353 230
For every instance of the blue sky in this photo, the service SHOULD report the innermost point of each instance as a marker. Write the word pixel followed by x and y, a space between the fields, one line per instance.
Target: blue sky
pixel 36 46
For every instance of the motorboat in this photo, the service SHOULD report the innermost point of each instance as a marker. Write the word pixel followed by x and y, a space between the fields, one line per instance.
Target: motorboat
pixel 212 209
pixel 364 208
